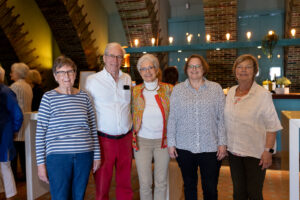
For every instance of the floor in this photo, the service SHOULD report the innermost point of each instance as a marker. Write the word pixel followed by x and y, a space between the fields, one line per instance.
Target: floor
pixel 275 187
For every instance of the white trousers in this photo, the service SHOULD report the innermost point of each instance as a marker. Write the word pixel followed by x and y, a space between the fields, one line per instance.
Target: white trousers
pixel 8 179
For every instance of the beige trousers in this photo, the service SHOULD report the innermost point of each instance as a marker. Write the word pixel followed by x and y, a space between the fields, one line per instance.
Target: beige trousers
pixel 150 149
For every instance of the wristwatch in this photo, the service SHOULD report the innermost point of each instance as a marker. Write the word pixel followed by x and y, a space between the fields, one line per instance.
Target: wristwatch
pixel 270 150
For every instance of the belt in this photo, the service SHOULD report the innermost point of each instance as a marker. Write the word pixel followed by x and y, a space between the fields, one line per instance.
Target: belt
pixel 115 137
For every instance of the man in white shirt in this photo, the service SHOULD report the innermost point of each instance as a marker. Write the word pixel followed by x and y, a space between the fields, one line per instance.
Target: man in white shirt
pixel 110 92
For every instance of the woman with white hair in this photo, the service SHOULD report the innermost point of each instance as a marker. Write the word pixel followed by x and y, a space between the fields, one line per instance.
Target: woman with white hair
pixel 23 91
pixel 10 122
pixel 150 110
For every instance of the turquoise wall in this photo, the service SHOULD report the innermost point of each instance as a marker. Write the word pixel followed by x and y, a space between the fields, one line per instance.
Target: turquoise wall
pixel 258 23
pixel 285 104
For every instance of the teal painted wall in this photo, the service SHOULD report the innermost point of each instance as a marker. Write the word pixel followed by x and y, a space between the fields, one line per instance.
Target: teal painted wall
pixel 285 104
pixel 258 23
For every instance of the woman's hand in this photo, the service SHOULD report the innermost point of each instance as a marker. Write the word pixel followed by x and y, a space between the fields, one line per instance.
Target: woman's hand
pixel 172 152
pixel 266 160
pixel 42 173
pixel 96 165
pixel 222 152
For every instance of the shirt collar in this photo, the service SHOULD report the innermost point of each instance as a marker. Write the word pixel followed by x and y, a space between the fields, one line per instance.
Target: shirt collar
pixel 188 84
pixel 109 75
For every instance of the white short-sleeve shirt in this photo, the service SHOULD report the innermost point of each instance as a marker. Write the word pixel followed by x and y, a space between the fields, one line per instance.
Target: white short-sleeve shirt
pixel 248 120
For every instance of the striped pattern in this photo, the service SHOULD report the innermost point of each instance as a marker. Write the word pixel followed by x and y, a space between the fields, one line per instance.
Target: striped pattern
pixel 66 124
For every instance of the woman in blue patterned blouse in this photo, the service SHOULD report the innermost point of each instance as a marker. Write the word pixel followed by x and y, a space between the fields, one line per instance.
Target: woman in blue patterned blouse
pixel 196 132
pixel 66 138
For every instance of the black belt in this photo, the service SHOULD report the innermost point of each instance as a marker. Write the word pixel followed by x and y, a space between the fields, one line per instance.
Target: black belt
pixel 115 137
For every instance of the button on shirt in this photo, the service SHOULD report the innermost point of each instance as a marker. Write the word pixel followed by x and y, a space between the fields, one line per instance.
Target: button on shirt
pixel 196 121
pixel 248 120
pixel 111 100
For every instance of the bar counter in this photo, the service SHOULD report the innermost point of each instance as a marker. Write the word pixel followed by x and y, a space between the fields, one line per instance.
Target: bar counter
pixel 287 96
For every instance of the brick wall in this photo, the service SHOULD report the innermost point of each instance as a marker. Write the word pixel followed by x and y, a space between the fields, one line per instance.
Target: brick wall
pixel 292 53
pixel 221 18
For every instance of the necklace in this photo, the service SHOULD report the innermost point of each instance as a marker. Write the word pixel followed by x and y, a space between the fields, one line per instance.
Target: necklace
pixel 241 93
pixel 153 89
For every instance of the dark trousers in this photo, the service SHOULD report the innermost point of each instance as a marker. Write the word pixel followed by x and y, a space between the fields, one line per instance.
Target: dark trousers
pixel 209 170
pixel 247 177
pixel 20 153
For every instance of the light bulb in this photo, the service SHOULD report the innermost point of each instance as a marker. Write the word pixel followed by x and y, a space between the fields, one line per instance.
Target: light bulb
pixel 207 37
pixel 248 34
pixel 271 32
pixel 152 41
pixel 136 42
pixel 227 36
pixel 171 40
pixel 293 32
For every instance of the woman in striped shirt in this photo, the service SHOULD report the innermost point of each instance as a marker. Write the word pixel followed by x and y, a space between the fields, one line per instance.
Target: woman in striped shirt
pixel 66 137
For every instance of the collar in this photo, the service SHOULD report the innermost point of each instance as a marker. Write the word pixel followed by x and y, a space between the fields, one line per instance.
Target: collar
pixel 251 92
pixel 107 74
pixel 188 84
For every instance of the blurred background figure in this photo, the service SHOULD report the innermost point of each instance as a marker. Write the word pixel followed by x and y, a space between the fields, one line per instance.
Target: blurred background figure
pixel 24 95
pixel 170 75
pixel 34 79
pixel 10 122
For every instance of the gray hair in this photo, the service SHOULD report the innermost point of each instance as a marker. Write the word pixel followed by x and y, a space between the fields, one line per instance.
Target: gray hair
pixel 21 69
pixel 114 45
pixel 150 58
pixel 2 73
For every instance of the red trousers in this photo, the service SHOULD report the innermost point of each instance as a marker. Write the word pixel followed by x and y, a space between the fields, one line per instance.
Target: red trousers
pixel 114 153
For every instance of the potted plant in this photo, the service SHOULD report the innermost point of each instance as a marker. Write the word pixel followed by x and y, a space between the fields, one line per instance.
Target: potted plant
pixel 283 85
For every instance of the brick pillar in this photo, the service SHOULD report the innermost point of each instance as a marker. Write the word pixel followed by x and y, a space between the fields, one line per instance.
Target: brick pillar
pixel 292 53
pixel 221 18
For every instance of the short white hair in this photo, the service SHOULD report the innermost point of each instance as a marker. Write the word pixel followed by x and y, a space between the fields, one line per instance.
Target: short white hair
pixel 2 74
pixel 114 45
pixel 21 69
pixel 150 58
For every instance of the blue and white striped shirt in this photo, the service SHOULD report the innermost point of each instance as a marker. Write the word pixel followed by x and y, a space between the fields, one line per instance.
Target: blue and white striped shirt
pixel 66 124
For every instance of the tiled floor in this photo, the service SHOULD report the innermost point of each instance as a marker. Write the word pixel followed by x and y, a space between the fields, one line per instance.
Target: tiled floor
pixel 275 187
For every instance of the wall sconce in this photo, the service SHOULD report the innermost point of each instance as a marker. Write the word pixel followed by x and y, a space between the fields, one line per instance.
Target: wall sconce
pixel 248 34
pixel 185 59
pixel 153 41
pixel 293 32
pixel 198 35
pixel 171 39
pixel 136 42
pixel 189 38
pixel 207 38
pixel 278 56
pixel 268 43
pixel 227 36
pixel 259 56
pixel 186 33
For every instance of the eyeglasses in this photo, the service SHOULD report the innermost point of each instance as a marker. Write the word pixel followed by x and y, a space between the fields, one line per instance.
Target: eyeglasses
pixel 194 66
pixel 144 69
pixel 63 73
pixel 119 57
pixel 244 67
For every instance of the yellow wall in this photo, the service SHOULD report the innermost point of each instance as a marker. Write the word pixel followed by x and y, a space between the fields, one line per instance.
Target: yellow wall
pixel 99 22
pixel 38 30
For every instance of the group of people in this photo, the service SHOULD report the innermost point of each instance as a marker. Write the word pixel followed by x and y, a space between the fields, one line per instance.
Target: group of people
pixel 22 96
pixel 102 127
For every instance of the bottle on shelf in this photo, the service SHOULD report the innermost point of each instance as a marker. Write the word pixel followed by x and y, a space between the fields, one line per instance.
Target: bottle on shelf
pixel 274 83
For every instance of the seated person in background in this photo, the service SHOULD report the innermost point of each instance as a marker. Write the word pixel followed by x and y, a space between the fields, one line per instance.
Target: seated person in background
pixel 11 119
pixel 170 75
pixel 34 79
